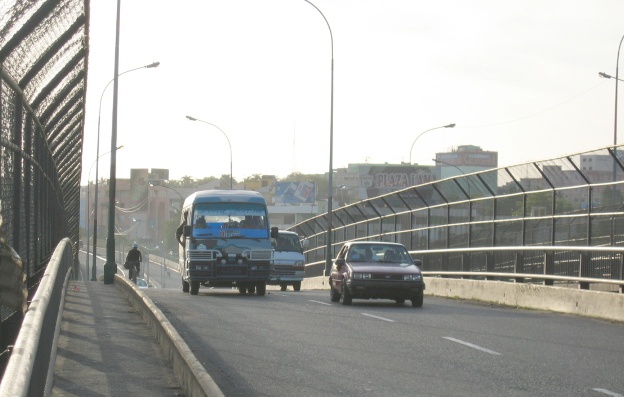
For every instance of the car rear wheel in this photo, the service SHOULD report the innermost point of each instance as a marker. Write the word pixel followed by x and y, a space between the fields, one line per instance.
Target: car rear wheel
pixel 417 301
pixel 345 295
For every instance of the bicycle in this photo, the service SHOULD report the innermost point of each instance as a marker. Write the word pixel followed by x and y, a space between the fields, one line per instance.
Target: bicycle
pixel 133 271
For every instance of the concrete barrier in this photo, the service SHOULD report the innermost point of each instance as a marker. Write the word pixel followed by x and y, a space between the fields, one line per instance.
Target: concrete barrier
pixel 191 374
pixel 599 304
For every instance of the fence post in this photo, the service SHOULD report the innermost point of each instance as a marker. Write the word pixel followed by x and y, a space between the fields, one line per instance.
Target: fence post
pixel 519 266
pixel 548 265
pixel 584 262
pixel 489 264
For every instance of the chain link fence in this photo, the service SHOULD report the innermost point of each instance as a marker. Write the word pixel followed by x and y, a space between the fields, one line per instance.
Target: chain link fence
pixel 43 66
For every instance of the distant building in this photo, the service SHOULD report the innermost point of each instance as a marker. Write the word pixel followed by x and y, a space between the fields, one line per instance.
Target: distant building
pixel 465 159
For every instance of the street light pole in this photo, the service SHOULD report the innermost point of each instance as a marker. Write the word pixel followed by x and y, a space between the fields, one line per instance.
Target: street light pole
pixel 422 133
pixel 226 137
pixel 330 193
pixel 151 65
pixel 88 215
pixel 617 64
pixel 110 267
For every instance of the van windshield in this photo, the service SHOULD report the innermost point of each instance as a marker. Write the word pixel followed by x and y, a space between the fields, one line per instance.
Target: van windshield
pixel 230 220
pixel 287 243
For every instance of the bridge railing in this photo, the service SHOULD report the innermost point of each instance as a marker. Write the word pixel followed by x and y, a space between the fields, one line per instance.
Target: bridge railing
pixel 43 52
pixel 31 365
pixel 482 219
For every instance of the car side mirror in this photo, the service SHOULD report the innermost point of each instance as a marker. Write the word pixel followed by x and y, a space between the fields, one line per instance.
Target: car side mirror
pixel 339 262
pixel 274 232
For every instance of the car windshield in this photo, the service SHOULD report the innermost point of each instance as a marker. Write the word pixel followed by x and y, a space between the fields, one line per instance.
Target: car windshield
pixel 379 253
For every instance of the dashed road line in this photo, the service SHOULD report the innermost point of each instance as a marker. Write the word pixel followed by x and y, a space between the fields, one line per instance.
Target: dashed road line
pixel 322 303
pixel 608 392
pixel 377 317
pixel 483 349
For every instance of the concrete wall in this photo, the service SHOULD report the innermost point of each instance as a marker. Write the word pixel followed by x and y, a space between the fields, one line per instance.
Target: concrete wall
pixel 599 304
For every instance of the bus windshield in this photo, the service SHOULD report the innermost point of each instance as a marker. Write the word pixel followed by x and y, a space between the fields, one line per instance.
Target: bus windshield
pixel 230 220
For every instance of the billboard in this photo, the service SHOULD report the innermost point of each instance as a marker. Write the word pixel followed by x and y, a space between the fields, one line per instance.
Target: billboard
pixel 295 192
pixel 376 180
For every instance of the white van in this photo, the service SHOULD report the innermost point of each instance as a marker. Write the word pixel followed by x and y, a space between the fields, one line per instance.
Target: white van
pixel 288 260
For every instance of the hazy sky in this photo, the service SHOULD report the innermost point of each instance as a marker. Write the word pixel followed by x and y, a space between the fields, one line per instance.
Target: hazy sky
pixel 517 77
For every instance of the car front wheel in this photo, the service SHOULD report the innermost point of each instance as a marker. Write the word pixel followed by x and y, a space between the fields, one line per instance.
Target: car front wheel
pixel 417 301
pixel 334 295
pixel 345 295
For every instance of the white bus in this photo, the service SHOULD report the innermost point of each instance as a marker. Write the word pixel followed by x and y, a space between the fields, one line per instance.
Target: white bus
pixel 225 241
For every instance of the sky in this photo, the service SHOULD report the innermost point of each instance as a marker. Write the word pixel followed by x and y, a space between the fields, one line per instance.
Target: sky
pixel 519 77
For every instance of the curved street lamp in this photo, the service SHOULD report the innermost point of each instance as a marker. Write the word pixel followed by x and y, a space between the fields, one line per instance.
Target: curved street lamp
pixel 151 65
pixel 422 133
pixel 226 137
pixel 330 193
pixel 617 64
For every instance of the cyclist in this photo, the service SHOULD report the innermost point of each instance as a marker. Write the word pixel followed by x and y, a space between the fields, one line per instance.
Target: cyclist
pixel 134 258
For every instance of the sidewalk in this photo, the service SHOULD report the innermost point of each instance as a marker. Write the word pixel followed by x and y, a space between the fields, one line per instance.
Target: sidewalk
pixel 105 348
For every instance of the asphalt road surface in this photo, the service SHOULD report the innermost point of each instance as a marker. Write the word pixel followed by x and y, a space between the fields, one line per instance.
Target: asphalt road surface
pixel 300 344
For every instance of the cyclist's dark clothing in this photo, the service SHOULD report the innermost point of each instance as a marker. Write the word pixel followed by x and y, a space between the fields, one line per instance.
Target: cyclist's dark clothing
pixel 134 256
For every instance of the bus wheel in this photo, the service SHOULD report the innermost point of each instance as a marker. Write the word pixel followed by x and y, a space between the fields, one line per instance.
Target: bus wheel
pixel 261 288
pixel 194 287
pixel 185 286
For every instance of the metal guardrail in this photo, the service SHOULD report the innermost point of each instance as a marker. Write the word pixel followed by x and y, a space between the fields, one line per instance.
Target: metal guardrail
pixel 570 264
pixel 30 368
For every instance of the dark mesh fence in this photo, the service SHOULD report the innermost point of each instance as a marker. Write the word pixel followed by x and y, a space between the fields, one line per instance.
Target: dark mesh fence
pixel 575 200
pixel 43 64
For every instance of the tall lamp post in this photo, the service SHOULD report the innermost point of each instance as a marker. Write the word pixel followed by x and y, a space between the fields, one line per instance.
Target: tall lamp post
pixel 88 212
pixel 330 193
pixel 226 137
pixel 151 65
pixel 422 133
pixel 617 63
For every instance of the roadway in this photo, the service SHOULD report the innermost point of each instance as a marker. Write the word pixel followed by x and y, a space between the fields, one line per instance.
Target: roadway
pixel 299 343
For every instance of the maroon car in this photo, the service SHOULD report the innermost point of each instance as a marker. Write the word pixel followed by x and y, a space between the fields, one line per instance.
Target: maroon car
pixel 375 270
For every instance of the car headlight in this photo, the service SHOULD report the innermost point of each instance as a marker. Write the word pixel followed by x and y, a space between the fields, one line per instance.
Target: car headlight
pixel 360 276
pixel 412 277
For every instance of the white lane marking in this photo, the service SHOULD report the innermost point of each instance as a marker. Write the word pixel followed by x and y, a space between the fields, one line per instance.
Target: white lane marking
pixel 607 392
pixel 377 317
pixel 273 293
pixel 483 349
pixel 322 303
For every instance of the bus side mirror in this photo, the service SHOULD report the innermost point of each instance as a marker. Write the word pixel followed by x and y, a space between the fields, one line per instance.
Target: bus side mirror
pixel 187 230
pixel 274 232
